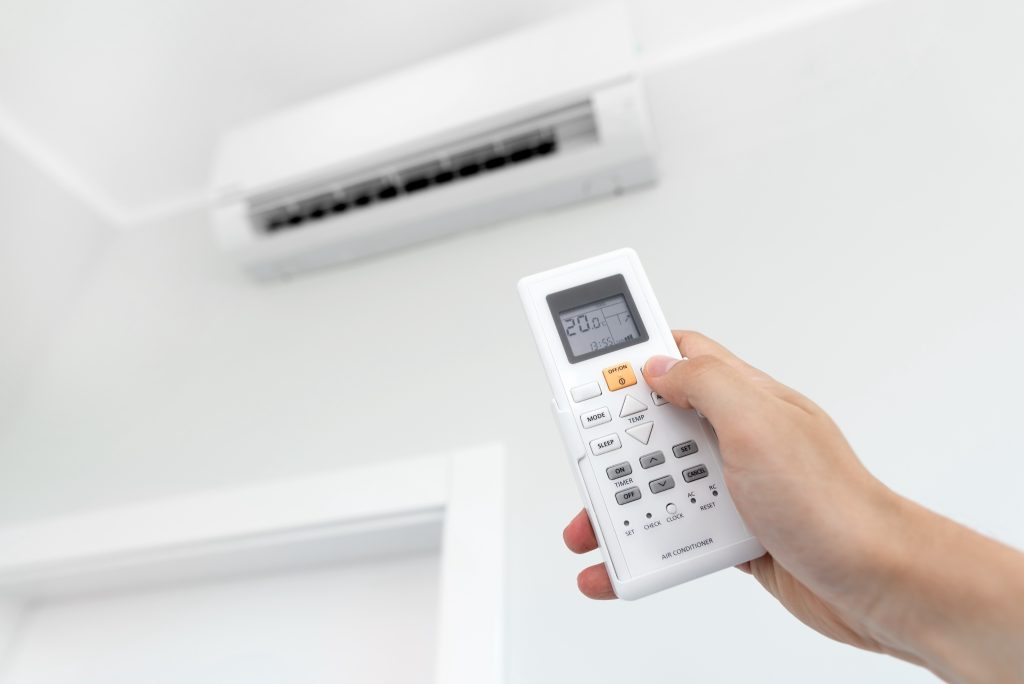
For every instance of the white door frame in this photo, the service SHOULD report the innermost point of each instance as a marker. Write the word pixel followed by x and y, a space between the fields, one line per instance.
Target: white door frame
pixel 454 502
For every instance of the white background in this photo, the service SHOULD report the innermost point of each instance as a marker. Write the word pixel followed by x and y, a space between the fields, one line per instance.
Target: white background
pixel 840 203
pixel 243 631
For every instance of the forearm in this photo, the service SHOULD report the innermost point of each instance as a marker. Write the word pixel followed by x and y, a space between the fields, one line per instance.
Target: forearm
pixel 955 599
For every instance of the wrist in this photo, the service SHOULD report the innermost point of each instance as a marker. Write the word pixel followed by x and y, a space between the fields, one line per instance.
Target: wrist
pixel 947 597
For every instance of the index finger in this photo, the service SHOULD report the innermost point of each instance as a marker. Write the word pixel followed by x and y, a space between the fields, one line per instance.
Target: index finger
pixel 579 534
pixel 692 343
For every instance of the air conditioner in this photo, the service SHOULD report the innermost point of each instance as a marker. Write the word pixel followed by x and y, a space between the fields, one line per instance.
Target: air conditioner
pixel 530 121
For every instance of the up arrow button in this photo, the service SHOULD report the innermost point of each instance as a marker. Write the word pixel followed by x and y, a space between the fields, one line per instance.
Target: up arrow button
pixel 641 432
pixel 631 406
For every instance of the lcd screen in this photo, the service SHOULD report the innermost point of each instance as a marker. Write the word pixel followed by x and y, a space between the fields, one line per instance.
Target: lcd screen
pixel 599 326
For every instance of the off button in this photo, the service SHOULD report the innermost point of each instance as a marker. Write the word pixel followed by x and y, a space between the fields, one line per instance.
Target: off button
pixel 619 376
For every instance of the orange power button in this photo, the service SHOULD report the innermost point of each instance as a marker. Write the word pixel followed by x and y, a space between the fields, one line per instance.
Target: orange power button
pixel 619 376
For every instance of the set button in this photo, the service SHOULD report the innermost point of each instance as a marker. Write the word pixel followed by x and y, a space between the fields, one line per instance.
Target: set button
pixel 602 445
pixel 687 448
pixel 598 417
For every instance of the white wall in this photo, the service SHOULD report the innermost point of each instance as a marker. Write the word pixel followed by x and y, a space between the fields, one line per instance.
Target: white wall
pixel 48 243
pixel 10 621
pixel 841 204
pixel 334 624
pixel 138 116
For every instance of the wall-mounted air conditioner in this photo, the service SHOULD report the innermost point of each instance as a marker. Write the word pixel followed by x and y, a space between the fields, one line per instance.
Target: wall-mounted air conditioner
pixel 534 120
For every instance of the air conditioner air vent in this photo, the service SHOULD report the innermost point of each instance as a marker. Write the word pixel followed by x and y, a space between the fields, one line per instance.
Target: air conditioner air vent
pixel 455 164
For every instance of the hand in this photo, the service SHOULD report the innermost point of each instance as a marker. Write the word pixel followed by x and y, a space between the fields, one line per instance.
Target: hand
pixel 846 555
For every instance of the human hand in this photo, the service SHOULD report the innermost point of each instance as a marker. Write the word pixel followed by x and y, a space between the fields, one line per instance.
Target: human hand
pixel 845 554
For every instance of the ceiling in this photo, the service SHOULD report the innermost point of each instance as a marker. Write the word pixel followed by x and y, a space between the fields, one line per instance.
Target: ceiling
pixel 122 102
pixel 127 99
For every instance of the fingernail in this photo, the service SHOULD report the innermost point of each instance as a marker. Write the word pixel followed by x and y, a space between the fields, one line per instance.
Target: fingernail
pixel 657 366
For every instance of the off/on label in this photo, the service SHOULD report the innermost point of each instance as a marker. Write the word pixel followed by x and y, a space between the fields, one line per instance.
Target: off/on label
pixel 619 376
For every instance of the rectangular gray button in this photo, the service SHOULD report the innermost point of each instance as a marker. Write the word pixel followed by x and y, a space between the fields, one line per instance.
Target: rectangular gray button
pixel 695 473
pixel 651 460
pixel 662 483
pixel 627 495
pixel 685 449
pixel 619 470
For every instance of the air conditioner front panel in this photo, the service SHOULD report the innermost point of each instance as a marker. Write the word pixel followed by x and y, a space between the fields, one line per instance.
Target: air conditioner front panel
pixel 532 121
pixel 617 157
pixel 554 64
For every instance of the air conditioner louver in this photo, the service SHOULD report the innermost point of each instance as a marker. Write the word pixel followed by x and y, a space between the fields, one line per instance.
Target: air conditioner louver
pixel 456 163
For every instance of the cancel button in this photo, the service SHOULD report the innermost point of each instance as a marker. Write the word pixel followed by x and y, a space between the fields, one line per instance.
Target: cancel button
pixel 695 473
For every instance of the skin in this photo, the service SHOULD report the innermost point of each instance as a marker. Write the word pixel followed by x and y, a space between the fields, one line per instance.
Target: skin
pixel 846 555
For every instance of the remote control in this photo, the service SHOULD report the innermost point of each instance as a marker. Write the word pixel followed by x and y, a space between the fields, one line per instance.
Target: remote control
pixel 650 473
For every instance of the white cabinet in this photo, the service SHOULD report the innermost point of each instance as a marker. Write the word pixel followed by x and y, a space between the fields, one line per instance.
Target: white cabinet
pixel 283 582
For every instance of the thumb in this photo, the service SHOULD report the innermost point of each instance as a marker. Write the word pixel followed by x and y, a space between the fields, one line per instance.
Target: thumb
pixel 706 383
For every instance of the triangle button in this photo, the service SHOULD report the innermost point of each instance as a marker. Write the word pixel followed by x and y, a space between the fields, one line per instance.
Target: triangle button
pixel 641 432
pixel 631 406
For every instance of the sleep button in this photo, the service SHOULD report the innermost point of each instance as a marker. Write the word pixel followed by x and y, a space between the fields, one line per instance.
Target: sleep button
pixel 603 445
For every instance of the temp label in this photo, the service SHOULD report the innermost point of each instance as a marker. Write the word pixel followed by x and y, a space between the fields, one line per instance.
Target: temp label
pixel 686 549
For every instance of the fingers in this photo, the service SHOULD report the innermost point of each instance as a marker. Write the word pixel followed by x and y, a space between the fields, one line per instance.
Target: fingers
pixel 595 584
pixel 706 383
pixel 693 344
pixel 579 535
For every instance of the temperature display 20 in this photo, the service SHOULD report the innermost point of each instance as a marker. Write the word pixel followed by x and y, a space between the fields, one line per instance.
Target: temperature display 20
pixel 599 325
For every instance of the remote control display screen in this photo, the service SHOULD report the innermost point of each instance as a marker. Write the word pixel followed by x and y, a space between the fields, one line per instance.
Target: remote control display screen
pixel 599 326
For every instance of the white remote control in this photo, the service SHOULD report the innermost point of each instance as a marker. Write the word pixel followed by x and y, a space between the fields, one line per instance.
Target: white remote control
pixel 650 473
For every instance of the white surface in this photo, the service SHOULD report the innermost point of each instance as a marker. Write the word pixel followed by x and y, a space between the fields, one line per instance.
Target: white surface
pixel 355 512
pixel 49 243
pixel 358 516
pixel 537 70
pixel 10 619
pixel 471 628
pixel 65 68
pixel 621 158
pixel 348 623
pixel 841 205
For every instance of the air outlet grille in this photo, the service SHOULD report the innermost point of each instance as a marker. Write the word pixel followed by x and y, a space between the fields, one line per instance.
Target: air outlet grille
pixel 512 146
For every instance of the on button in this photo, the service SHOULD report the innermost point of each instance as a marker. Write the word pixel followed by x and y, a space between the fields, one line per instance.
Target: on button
pixel 619 376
